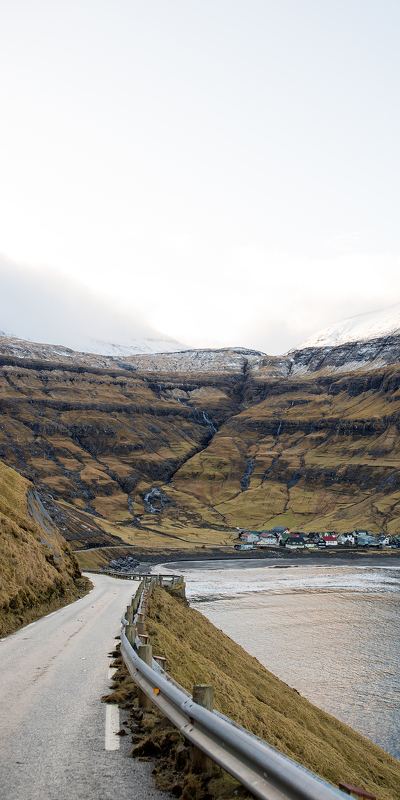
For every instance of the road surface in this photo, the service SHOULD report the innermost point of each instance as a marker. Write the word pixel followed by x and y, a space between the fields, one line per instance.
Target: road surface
pixel 57 739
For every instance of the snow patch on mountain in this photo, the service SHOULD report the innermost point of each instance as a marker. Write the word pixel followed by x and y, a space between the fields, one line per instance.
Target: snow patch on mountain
pixel 363 327
pixel 131 347
pixel 138 345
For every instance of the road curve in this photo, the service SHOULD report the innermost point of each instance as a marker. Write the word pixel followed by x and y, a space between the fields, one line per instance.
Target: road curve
pixel 53 731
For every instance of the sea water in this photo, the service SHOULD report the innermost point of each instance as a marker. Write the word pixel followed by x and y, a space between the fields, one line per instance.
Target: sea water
pixel 331 632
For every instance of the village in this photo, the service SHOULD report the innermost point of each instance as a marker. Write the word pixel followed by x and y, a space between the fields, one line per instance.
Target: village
pixel 295 540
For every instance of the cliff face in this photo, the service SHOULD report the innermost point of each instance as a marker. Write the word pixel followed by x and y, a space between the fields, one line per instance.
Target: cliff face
pixel 190 445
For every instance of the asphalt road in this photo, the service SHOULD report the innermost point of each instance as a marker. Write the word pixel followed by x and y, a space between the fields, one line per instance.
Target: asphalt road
pixel 57 739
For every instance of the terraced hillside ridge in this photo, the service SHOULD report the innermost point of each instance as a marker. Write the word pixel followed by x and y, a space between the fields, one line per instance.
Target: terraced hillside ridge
pixel 38 573
pixel 181 449
pixel 316 448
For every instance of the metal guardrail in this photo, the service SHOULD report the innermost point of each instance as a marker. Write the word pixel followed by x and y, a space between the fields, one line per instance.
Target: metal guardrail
pixel 256 765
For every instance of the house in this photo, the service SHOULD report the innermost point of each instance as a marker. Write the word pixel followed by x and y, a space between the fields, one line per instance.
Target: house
pixel 268 539
pixel 295 542
pixel 249 537
pixel 279 530
pixel 330 540
pixel 383 540
pixel 311 542
pixel 346 539
pixel 314 538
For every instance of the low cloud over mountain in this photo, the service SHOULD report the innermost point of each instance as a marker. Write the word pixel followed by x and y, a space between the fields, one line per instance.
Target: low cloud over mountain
pixel 42 305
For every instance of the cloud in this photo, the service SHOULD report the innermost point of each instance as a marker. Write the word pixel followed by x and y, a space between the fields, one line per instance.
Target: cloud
pixel 255 298
pixel 268 300
pixel 43 305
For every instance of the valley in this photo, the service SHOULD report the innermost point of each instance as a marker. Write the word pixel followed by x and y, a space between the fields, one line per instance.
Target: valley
pixel 181 449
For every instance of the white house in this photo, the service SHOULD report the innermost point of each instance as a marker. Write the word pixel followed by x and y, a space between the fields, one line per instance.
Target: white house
pixel 249 536
pixel 268 539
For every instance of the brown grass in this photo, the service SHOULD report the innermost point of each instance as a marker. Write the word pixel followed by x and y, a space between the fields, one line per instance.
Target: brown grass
pixel 38 573
pixel 244 690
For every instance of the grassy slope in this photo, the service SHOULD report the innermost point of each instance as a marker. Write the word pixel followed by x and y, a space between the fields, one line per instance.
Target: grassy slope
pixel 316 461
pixel 36 569
pixel 98 442
pixel 318 453
pixel 244 690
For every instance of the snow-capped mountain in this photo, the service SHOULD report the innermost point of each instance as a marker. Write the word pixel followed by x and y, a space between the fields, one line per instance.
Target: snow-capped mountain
pixel 138 345
pixel 361 328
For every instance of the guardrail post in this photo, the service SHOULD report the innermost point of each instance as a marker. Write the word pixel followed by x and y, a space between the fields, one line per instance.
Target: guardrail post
pixel 355 791
pixel 129 614
pixel 130 634
pixel 145 652
pixel 203 695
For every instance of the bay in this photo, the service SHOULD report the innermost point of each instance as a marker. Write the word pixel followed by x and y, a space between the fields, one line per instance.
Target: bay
pixel 331 632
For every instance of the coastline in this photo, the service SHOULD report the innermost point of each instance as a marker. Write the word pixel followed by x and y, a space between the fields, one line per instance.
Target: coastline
pixel 219 559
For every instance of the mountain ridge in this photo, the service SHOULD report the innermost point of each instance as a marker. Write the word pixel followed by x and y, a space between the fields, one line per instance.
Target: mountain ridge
pixel 188 446
pixel 370 325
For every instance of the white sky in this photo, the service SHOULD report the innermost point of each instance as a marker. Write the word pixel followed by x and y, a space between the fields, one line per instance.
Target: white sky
pixel 226 172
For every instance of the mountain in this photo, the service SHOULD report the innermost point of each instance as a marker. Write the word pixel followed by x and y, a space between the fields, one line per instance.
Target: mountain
pixel 179 449
pixel 141 344
pixel 363 327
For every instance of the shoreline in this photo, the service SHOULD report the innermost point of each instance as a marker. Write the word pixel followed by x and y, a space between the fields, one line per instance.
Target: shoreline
pixel 174 560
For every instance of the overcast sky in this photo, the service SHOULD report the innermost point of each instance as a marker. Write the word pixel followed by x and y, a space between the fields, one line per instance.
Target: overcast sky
pixel 224 171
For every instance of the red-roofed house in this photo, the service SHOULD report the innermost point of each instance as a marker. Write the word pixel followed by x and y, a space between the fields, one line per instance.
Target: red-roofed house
pixel 330 540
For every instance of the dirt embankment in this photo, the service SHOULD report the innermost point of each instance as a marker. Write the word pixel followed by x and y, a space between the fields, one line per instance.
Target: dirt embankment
pixel 244 690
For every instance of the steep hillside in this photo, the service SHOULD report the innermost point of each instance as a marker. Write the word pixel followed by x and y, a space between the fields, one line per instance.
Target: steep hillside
pixel 312 455
pixel 166 449
pixel 98 442
pixel 315 447
pixel 246 692
pixel 37 570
